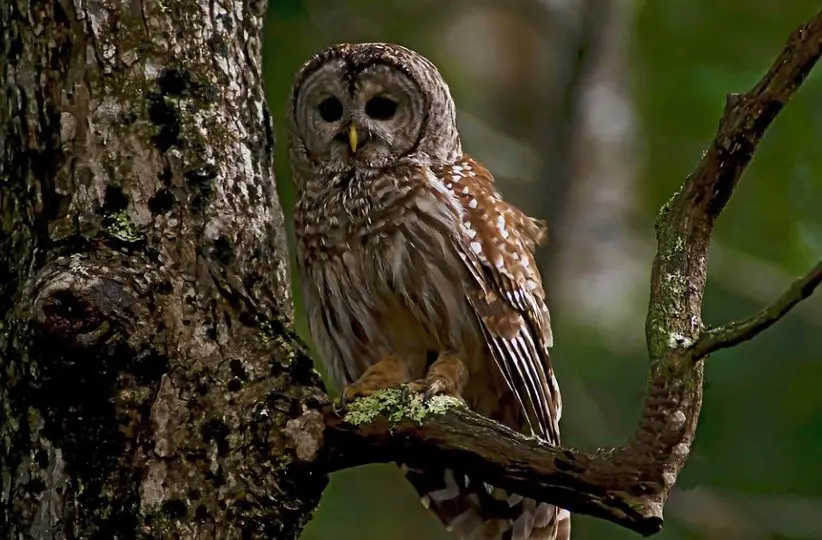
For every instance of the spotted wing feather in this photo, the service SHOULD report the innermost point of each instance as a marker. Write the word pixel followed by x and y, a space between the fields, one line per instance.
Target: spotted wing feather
pixel 497 245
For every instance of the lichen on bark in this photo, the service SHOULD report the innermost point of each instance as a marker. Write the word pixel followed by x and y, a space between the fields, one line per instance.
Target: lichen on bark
pixel 396 405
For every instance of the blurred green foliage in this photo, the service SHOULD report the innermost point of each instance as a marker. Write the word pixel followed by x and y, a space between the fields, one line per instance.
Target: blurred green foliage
pixel 760 436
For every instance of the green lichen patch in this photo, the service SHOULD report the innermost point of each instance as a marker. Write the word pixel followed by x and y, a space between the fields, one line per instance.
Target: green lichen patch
pixel 396 406
pixel 120 226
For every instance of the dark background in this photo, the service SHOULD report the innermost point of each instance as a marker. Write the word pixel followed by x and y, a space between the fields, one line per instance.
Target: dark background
pixel 590 114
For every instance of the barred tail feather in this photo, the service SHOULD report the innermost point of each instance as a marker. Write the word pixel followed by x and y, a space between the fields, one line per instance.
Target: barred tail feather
pixel 478 511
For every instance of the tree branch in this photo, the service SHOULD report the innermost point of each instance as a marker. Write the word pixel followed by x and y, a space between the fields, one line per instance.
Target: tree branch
pixel 736 332
pixel 627 485
pixel 384 428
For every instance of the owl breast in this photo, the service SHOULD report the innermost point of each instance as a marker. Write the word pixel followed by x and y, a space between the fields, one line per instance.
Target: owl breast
pixel 381 275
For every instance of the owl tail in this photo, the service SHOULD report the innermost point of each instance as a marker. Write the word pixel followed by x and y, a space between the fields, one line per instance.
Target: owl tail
pixel 478 511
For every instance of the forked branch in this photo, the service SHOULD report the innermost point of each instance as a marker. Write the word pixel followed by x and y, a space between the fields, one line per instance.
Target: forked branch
pixel 736 332
pixel 626 485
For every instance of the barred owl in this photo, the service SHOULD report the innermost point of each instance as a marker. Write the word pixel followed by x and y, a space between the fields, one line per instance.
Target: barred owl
pixel 415 271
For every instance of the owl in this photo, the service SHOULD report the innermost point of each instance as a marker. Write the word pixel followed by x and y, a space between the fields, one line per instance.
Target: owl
pixel 416 272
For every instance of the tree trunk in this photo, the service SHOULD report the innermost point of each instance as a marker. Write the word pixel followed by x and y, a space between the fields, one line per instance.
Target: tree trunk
pixel 148 368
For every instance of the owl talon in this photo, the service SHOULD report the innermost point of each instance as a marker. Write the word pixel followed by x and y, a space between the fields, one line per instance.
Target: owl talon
pixel 349 394
pixel 389 372
pixel 415 387
pixel 420 386
pixel 446 377
pixel 405 394
pixel 438 387
pixel 430 387
pixel 340 407
pixel 357 390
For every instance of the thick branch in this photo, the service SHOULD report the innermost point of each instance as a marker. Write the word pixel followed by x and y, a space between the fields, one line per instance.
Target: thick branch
pixel 736 332
pixel 385 429
pixel 626 485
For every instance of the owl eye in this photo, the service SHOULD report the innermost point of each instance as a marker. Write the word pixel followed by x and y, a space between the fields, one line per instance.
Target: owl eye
pixel 331 109
pixel 380 108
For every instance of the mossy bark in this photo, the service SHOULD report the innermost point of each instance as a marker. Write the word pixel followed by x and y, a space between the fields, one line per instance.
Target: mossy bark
pixel 148 371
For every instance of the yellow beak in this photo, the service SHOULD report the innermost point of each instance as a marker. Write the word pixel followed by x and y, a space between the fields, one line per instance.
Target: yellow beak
pixel 352 137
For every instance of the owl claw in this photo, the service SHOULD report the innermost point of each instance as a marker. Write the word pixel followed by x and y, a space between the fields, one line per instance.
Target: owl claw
pixel 354 391
pixel 405 394
pixel 428 394
pixel 439 387
pixel 432 386
pixel 349 394
pixel 340 407
pixel 445 377
pixel 415 387
pixel 387 373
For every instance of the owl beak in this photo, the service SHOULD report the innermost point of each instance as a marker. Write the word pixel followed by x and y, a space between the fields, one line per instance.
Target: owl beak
pixel 353 137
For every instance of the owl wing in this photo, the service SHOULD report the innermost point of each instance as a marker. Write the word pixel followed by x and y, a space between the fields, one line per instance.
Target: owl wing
pixel 496 244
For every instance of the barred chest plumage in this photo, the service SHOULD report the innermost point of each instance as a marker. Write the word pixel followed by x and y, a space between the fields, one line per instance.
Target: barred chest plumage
pixel 380 272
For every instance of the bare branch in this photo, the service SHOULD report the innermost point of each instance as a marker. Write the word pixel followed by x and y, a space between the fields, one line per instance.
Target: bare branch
pixel 627 485
pixel 736 332
pixel 684 225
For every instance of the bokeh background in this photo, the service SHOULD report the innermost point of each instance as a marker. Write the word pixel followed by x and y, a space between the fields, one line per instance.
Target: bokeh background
pixel 590 113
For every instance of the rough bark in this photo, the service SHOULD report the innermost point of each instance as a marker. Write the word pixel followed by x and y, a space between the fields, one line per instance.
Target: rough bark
pixel 148 373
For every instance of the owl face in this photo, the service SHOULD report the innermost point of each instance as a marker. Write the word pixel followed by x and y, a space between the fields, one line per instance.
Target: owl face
pixel 366 106
pixel 369 116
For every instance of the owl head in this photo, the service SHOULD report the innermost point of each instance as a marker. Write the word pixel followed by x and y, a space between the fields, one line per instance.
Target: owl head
pixel 366 107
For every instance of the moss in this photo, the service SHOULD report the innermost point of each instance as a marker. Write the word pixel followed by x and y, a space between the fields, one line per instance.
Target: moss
pixel 393 404
pixel 120 226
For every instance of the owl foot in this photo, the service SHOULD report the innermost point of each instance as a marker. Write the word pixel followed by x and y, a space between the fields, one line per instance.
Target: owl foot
pixel 446 377
pixel 389 372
